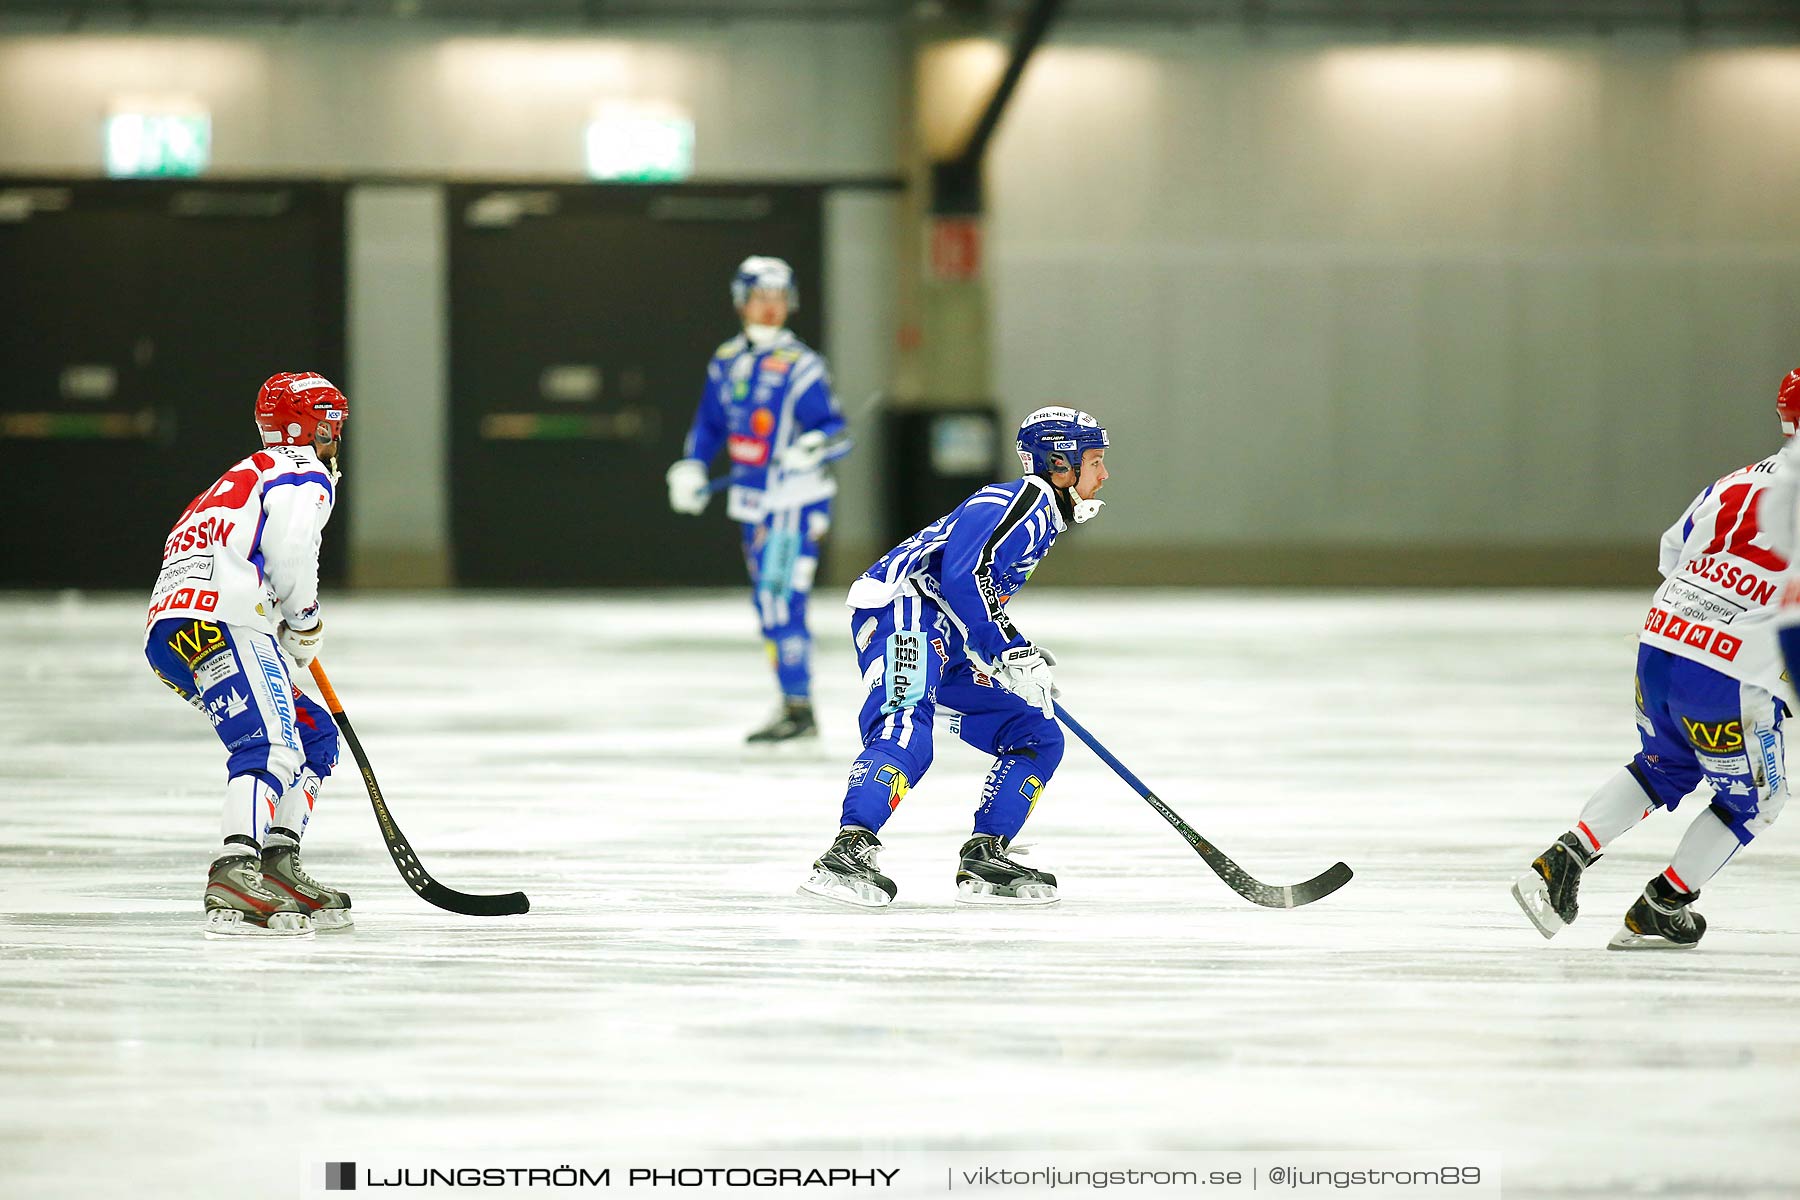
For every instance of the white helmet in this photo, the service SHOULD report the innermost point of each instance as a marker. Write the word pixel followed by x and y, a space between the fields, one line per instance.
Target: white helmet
pixel 761 272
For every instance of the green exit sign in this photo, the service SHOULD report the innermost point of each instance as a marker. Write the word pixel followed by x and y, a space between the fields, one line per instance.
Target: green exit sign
pixel 640 147
pixel 157 144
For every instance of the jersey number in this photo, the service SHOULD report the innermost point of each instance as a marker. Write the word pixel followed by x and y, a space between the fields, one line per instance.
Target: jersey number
pixel 1737 522
pixel 232 490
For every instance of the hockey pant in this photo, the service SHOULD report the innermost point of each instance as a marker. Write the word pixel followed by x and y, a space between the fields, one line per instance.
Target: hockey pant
pixel 914 666
pixel 781 553
pixel 279 744
pixel 1701 727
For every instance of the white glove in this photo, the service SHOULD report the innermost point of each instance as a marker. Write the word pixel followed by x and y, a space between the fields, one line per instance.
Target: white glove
pixel 1024 672
pixel 687 486
pixel 805 452
pixel 302 645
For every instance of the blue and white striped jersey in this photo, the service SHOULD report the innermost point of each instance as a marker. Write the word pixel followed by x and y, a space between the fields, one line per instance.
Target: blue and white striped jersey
pixel 972 561
pixel 757 401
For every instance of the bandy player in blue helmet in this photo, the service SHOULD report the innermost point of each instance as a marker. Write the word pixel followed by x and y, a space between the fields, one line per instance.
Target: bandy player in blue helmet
pixel 237 600
pixel 768 404
pixel 1711 699
pixel 931 635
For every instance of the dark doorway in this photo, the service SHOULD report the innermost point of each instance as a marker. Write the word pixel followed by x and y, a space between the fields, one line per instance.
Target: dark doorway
pixel 581 321
pixel 141 317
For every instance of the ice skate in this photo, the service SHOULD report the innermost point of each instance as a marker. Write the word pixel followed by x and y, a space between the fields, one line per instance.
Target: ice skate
pixel 1660 920
pixel 846 873
pixel 239 905
pixel 328 908
pixel 987 876
pixel 793 722
pixel 1547 891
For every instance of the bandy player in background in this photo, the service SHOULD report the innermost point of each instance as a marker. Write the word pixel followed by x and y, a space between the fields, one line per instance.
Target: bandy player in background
pixel 1711 696
pixel 239 586
pixel 768 403
pixel 931 632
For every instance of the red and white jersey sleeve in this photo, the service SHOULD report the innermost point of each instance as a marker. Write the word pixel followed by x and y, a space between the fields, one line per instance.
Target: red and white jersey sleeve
pixel 246 551
pixel 1722 580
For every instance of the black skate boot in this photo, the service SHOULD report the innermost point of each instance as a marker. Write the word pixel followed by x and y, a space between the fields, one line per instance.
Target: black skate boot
pixel 794 721
pixel 238 905
pixel 329 908
pixel 987 876
pixel 1660 920
pixel 1547 891
pixel 846 872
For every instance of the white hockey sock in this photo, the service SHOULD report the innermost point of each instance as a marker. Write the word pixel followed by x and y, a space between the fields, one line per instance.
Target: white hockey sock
pixel 294 809
pixel 1619 805
pixel 249 804
pixel 1706 847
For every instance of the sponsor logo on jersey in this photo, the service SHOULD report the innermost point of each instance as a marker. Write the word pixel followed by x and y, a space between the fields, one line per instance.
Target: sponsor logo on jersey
pixel 748 451
pixel 1715 737
pixel 762 422
pixel 1699 636
pixel 778 363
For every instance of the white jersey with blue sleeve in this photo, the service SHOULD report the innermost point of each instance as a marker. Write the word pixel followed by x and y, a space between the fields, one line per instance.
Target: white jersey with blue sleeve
pixel 971 562
pixel 246 551
pixel 758 399
pixel 1722 578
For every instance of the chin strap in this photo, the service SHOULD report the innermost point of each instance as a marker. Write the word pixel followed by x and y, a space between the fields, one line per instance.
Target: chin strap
pixel 1073 507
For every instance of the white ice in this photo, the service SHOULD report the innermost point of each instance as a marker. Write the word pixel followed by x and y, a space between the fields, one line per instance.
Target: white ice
pixel 669 989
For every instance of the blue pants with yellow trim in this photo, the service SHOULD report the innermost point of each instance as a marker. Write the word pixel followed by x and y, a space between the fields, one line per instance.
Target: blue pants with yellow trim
pixel 243 683
pixel 781 553
pixel 913 665
pixel 1698 725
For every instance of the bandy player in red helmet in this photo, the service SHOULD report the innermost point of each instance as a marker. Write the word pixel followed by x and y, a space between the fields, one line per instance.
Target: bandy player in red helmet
pixel 237 601
pixel 1711 697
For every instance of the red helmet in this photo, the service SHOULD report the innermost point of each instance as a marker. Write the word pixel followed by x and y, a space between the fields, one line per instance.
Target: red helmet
pixel 292 405
pixel 1787 402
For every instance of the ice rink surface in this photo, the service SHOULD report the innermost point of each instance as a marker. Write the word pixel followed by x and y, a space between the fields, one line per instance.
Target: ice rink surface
pixel 670 990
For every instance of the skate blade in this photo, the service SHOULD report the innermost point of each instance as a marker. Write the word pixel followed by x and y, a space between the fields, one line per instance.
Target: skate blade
pixel 326 919
pixel 857 895
pixel 1533 896
pixel 225 922
pixel 979 891
pixel 1627 940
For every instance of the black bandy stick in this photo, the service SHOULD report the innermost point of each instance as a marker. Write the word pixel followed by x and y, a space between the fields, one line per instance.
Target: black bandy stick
pixel 411 869
pixel 1235 877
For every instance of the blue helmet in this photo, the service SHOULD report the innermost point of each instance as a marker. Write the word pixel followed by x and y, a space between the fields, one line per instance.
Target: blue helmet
pixel 762 272
pixel 1051 439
